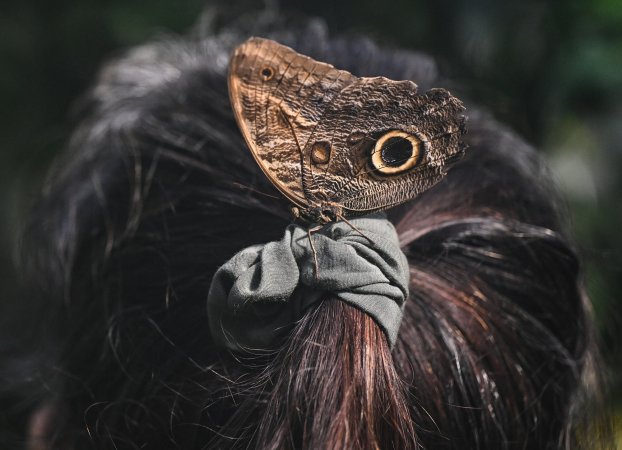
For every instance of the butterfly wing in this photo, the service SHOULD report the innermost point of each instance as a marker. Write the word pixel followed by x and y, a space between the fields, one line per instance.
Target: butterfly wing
pixel 279 97
pixel 387 144
pixel 324 136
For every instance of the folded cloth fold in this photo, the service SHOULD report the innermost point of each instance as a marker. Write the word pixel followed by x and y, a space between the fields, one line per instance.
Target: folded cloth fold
pixel 258 295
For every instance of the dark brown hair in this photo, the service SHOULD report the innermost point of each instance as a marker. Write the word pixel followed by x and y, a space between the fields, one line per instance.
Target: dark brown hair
pixel 158 190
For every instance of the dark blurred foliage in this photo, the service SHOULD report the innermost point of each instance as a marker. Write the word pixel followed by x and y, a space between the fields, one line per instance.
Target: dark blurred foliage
pixel 551 70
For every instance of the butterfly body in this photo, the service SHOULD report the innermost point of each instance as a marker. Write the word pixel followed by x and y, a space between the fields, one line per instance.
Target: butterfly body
pixel 321 213
pixel 334 144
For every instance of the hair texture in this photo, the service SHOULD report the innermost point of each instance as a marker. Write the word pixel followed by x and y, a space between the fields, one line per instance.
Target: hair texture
pixel 158 189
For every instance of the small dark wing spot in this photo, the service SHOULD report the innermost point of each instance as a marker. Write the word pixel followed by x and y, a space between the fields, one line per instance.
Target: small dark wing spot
pixel 320 152
pixel 267 73
pixel 355 137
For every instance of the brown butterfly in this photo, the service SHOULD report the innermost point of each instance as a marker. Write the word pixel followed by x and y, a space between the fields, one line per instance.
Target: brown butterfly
pixel 334 144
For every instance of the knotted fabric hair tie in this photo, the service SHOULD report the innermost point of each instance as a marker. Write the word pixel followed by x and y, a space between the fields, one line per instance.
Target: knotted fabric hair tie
pixel 263 290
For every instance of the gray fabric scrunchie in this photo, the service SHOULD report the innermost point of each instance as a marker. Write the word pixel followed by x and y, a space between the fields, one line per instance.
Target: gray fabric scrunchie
pixel 261 292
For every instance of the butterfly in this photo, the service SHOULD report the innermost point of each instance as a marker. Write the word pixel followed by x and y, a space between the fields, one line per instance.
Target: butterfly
pixel 336 145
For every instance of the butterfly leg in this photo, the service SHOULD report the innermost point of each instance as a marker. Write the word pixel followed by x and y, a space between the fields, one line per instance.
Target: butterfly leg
pixel 340 217
pixel 313 250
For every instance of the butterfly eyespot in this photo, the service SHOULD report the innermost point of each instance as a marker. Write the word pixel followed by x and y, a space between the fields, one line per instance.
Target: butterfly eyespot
pixel 320 152
pixel 396 152
pixel 267 73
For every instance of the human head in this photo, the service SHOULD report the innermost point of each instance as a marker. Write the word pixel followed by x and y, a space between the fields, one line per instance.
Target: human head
pixel 158 190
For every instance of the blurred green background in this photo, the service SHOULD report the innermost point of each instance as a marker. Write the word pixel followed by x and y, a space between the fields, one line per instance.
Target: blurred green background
pixel 551 70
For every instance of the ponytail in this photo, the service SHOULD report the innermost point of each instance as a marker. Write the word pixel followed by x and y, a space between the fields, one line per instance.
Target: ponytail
pixel 333 385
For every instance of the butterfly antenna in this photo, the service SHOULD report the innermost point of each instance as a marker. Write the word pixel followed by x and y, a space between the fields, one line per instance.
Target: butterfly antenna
pixel 252 189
